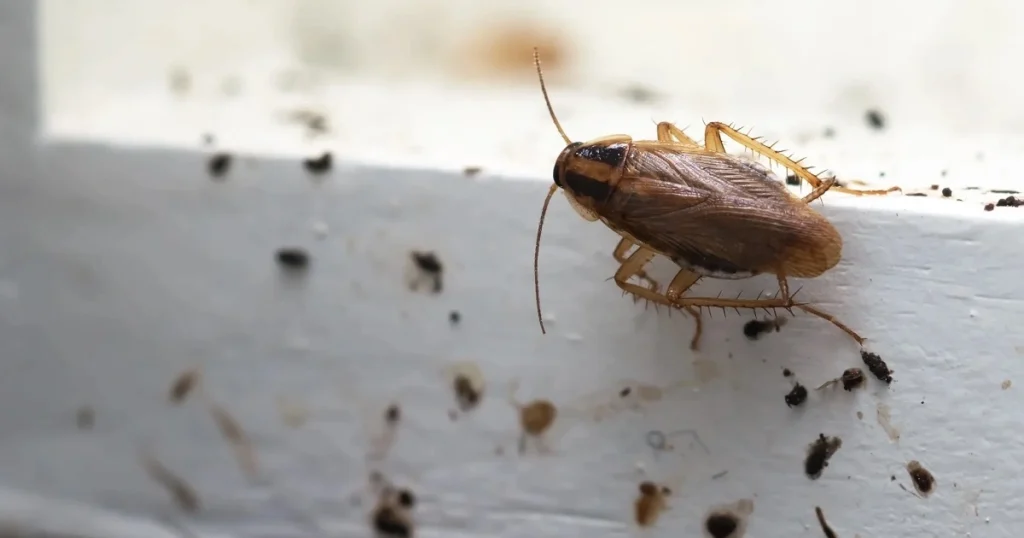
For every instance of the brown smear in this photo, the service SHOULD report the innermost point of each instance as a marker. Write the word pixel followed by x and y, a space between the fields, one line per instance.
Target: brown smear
pixel 184 496
pixel 922 478
pixel 467 385
pixel 884 417
pixel 649 504
pixel 183 385
pixel 232 431
pixel 504 49
pixel 728 520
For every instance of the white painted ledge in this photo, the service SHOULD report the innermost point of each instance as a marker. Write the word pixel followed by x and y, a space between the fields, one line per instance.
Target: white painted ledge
pixel 122 264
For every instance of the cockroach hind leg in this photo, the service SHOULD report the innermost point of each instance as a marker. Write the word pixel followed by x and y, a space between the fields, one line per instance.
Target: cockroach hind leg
pixel 713 142
pixel 832 319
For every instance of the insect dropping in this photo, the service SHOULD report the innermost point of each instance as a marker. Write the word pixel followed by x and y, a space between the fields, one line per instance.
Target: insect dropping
pixel 649 504
pixel 715 215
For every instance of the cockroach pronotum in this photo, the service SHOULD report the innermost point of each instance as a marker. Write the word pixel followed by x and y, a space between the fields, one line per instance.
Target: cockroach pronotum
pixel 714 214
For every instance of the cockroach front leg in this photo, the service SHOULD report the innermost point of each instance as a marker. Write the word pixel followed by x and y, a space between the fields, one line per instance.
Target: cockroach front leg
pixel 620 256
pixel 683 281
pixel 713 142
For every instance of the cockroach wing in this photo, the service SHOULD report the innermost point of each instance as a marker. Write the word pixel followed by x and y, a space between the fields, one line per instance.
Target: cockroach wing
pixel 724 234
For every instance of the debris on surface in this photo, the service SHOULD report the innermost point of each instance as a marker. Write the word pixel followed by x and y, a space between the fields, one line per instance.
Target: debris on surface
pixel 818 454
pixel 231 430
pixel 472 171
pixel 796 396
pixel 650 503
pixel 754 328
pixel 877 366
pixel 292 258
pixel 181 492
pixel 219 164
pixel 427 267
pixel 875 119
pixel 924 481
pixel 852 378
pixel 319 165
pixel 728 520
pixel 535 418
pixel 183 385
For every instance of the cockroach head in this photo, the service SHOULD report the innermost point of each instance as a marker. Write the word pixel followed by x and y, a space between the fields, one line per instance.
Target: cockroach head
pixel 562 159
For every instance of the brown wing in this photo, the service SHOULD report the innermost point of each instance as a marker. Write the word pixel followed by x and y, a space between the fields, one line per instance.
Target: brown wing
pixel 716 214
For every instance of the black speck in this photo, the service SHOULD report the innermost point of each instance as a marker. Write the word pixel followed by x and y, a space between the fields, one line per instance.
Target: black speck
pixel 1003 191
pixel 454 317
pixel 319 165
pixel 754 328
pixel 292 258
pixel 625 392
pixel 796 396
pixel 818 454
pixel 875 119
pixel 877 366
pixel 388 522
pixel 430 265
pixel 639 94
pixel 947 192
pixel 881 174
pixel 943 173
pixel 393 414
pixel 792 179
pixel 786 372
pixel 829 132
pixel 989 207
pixel 219 164
pixel 208 139
pixel 918 194
pixel 406 498
pixel 721 525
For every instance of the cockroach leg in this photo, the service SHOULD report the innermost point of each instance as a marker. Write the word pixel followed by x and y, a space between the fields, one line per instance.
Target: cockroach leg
pixel 670 133
pixel 713 142
pixel 631 267
pixel 831 319
pixel 620 256
pixel 683 281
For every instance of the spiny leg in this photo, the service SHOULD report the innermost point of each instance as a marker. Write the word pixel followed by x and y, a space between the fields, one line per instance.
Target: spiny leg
pixel 713 142
pixel 683 281
pixel 831 319
pixel 630 268
pixel 670 133
pixel 620 256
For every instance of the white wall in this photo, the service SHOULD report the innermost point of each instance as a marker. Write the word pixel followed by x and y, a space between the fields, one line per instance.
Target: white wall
pixel 122 263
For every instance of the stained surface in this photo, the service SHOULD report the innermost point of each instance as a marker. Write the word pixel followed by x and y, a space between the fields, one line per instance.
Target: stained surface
pixel 121 268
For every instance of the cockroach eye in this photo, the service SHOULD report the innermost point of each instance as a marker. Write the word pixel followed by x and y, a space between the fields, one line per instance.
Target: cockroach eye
pixel 557 180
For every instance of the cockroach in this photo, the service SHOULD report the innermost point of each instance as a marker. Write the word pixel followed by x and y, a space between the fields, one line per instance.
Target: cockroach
pixel 714 214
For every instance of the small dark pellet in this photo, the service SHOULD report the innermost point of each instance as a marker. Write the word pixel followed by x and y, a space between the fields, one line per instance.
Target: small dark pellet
pixel 947 192
pixel 293 258
pixel 318 165
pixel 219 164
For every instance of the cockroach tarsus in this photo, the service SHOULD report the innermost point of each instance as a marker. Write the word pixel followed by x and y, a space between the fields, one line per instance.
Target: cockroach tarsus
pixel 714 214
